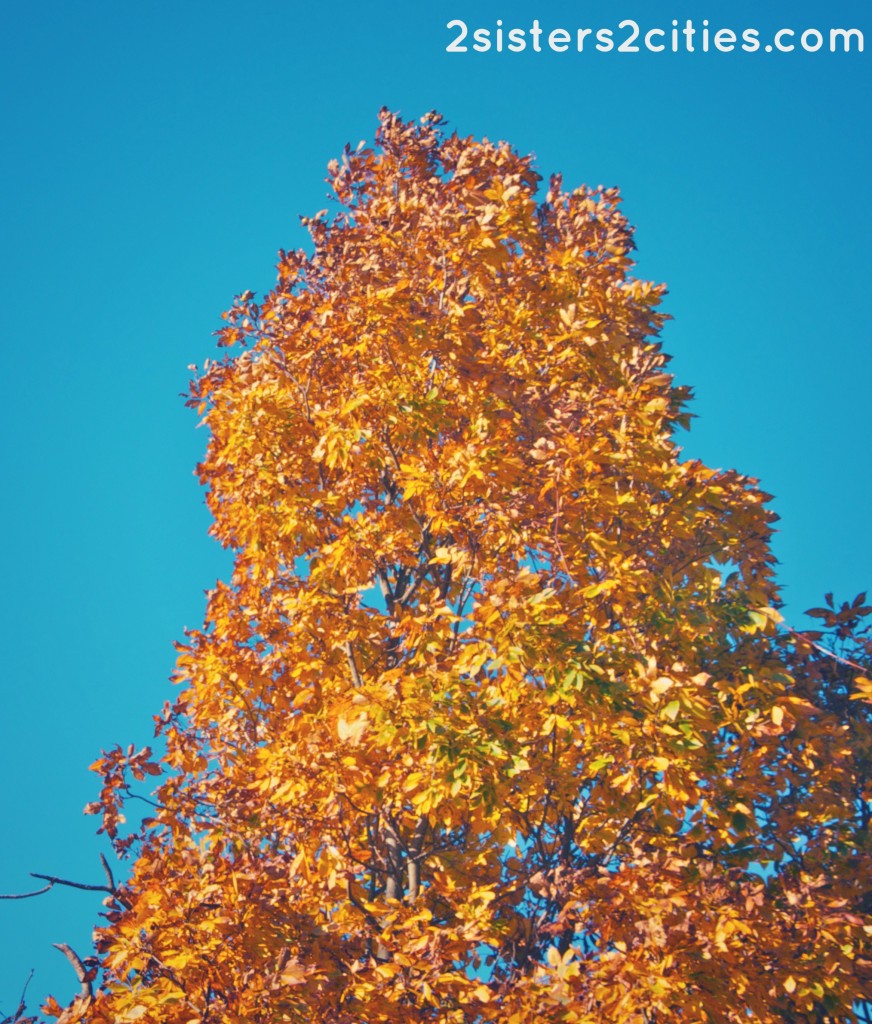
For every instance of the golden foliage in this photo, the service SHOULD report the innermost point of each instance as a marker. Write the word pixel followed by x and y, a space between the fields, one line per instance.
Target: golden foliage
pixel 495 720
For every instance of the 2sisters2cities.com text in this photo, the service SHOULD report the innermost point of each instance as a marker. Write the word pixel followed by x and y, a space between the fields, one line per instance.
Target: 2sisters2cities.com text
pixel 628 36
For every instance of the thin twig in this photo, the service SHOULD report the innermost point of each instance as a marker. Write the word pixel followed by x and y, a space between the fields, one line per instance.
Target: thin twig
pixel 22 1003
pixel 53 880
pixel 109 878
pixel 25 895
pixel 824 650
pixel 73 885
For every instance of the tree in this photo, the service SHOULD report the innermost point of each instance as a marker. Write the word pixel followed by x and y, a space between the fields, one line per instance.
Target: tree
pixel 495 720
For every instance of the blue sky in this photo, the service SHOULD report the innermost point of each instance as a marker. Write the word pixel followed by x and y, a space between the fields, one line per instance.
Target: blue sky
pixel 158 155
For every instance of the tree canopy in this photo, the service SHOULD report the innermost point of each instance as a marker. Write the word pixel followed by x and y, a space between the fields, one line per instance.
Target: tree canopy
pixel 496 719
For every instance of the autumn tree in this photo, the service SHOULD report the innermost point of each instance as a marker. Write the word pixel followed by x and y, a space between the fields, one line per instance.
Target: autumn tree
pixel 496 719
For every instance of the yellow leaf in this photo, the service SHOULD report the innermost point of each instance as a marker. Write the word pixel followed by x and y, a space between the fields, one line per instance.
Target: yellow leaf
pixel 353 730
pixel 661 685
pixel 864 689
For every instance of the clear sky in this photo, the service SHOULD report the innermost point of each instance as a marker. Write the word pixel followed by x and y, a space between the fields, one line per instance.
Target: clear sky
pixel 157 155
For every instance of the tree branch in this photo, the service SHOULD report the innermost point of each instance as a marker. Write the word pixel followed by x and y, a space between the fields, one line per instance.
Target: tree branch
pixel 109 877
pixel 824 650
pixel 26 895
pixel 22 1003
pixel 87 989
pixel 414 859
pixel 53 880
pixel 352 664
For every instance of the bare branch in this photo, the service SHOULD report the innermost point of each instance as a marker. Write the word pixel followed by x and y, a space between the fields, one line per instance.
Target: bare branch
pixel 824 650
pixel 25 895
pixel 22 1003
pixel 52 880
pixel 113 888
pixel 109 878
pixel 80 969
